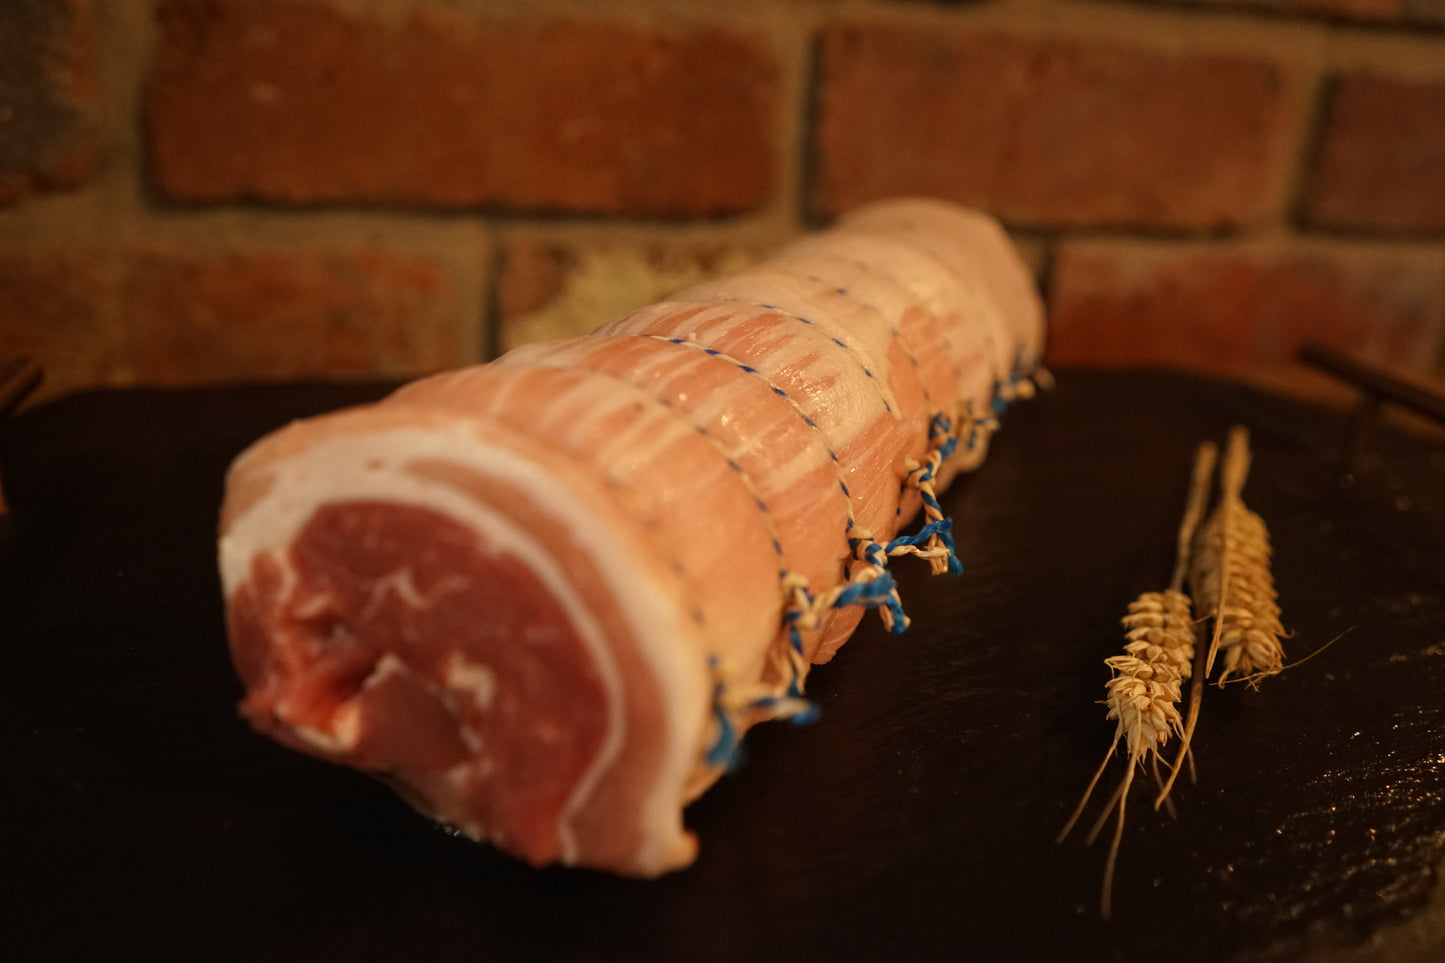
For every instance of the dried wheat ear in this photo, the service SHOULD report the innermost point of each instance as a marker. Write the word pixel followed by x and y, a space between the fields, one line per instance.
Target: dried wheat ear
pixel 1144 691
pixel 1232 581
pixel 1233 587
pixel 1229 571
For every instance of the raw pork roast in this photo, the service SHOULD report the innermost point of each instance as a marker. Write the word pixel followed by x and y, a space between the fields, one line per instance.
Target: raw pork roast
pixel 544 597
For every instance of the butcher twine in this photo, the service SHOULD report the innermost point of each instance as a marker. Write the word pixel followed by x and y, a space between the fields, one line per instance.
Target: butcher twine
pixel 871 586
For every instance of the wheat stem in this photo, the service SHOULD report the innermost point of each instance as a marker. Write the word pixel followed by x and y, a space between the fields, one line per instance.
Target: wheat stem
pixel 1233 577
pixel 1191 718
pixel 1233 584
pixel 1217 560
pixel 1145 687
pixel 1205 457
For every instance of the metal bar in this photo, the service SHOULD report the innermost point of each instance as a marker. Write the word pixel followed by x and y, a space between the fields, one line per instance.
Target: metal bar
pixel 18 378
pixel 1375 382
pixel 1361 422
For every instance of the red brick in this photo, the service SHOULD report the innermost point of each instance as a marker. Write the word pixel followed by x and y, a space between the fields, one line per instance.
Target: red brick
pixel 1426 12
pixel 1381 164
pixel 301 102
pixel 1371 10
pixel 1386 12
pixel 49 105
pixel 1227 307
pixel 533 274
pixel 56 306
pixel 1376 11
pixel 1049 131
pixel 274 316
pixel 98 317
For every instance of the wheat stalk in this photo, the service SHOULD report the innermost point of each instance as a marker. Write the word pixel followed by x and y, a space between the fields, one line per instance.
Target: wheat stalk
pixel 1232 584
pixel 1145 687
pixel 1232 579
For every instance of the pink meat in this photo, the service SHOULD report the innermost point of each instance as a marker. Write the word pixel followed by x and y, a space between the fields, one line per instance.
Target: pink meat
pixel 807 508
pixel 975 248
pixel 543 597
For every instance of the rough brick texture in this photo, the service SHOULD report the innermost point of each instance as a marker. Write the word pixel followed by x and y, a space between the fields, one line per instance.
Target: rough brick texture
pixel 301 102
pixel 101 317
pixel 55 307
pixel 1428 12
pixel 1370 10
pixel 1227 307
pixel 1048 131
pixel 1381 164
pixel 533 273
pixel 1363 10
pixel 49 127
pixel 1423 12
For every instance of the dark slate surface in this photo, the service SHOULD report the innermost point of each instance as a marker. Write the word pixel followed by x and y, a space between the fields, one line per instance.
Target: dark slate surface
pixel 915 820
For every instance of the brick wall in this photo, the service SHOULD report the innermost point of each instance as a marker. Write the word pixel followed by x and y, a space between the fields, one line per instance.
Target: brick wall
pixel 199 191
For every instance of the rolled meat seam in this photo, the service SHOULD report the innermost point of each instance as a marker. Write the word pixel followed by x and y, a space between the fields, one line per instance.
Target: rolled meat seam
pixel 545 597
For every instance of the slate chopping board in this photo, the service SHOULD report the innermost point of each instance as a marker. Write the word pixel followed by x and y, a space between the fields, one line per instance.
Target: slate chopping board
pixel 915 820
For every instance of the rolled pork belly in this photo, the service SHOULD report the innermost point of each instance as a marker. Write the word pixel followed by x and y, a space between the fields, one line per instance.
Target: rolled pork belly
pixel 543 598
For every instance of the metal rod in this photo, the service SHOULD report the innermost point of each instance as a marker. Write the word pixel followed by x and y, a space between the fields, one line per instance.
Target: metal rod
pixel 1363 419
pixel 1375 382
pixel 18 378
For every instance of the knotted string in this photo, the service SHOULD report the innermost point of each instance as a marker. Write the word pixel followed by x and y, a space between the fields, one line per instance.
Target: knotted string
pixel 870 585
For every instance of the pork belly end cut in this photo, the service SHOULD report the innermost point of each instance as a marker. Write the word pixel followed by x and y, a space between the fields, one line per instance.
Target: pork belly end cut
pixel 444 604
